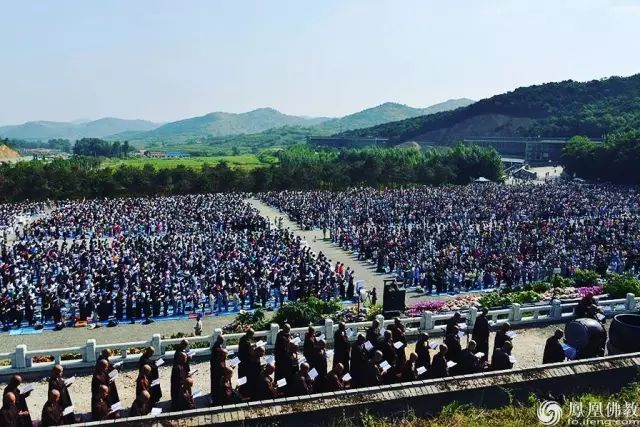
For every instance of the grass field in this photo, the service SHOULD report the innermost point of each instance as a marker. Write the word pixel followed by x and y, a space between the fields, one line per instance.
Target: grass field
pixel 244 161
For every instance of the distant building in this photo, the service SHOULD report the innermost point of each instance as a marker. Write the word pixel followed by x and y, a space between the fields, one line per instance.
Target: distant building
pixel 176 154
pixel 338 142
pixel 155 154
pixel 534 151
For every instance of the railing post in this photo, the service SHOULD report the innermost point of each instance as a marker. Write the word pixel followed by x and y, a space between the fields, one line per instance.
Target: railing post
pixel 471 317
pixel 516 314
pixel 380 319
pixel 90 352
pixel 426 321
pixel 216 333
pixel 630 304
pixel 20 357
pixel 556 309
pixel 328 331
pixel 156 343
pixel 273 334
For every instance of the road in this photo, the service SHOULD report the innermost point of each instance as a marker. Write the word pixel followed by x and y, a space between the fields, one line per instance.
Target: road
pixel 362 270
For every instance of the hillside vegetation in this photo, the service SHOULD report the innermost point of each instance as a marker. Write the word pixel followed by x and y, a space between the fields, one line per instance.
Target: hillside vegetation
pixel 295 168
pixel 101 128
pixel 563 109
pixel 221 124
pixel 266 127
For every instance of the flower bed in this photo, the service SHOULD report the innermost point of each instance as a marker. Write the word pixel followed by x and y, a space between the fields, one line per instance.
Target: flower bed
pixel 439 306
pixel 501 299
pixel 572 293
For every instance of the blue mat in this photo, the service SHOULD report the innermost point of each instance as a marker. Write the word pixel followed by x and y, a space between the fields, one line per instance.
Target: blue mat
pixel 25 331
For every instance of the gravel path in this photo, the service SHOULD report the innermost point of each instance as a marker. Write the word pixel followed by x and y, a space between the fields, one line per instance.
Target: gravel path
pixel 528 348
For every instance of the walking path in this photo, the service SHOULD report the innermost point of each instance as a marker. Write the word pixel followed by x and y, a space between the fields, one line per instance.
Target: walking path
pixel 363 270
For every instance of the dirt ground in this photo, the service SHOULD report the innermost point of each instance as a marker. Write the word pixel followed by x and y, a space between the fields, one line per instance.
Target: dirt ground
pixel 528 348
pixel 70 337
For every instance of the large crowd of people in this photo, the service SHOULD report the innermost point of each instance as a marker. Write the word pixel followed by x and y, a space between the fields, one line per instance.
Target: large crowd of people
pixel 477 236
pixel 299 365
pixel 140 258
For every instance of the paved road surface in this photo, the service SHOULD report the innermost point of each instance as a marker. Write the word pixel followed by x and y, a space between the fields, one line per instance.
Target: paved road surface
pixel 363 270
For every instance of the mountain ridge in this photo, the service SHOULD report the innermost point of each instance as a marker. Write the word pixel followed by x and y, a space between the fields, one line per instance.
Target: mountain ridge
pixel 558 109
pixel 100 128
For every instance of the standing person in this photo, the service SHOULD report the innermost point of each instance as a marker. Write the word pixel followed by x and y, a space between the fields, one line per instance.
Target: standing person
pixel 143 382
pixel 501 358
pixel 422 350
pixel 145 359
pixel 481 333
pixel 309 344
pixel 100 406
pixel 217 365
pixel 553 351
pixel 179 376
pixel 9 414
pixel 468 363
pixel 398 335
pixel 101 379
pixel 52 412
pixel 280 351
pixel 20 401
pixel 57 383
pixel 452 340
pixel 198 327
pixel 439 367
pixel 358 361
pixel 245 347
pixel 501 336
pixel 453 322
pixel 142 405
pixel 113 390
pixel 341 347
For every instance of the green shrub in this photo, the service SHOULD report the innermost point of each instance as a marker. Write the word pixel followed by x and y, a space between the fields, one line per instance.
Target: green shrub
pixel 558 281
pixel 322 308
pixel 524 297
pixel 494 299
pixel 373 310
pixel 497 299
pixel 619 285
pixel 585 277
pixel 297 314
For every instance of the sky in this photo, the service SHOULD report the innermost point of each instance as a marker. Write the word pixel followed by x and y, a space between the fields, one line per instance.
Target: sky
pixel 167 60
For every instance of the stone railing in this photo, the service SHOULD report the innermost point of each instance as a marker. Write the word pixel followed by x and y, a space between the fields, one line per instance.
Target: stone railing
pixel 22 359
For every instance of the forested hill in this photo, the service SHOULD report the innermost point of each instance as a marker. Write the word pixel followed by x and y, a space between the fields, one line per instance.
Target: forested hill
pixel 387 112
pixel 561 109
pixel 222 124
pixel 43 130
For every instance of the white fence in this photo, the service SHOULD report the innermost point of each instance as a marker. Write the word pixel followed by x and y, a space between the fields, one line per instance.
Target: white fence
pixel 22 359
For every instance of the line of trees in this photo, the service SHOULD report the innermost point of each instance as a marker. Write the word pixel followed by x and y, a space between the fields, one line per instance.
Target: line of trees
pixel 298 168
pixel 53 144
pixel 96 147
pixel 616 160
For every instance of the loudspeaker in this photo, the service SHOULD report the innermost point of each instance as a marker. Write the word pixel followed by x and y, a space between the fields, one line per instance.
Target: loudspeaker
pixel 393 299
